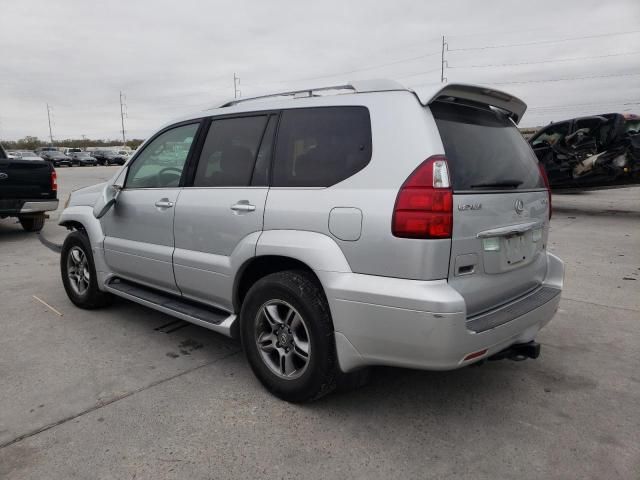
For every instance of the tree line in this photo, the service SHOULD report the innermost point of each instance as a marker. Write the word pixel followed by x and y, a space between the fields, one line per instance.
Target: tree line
pixel 31 143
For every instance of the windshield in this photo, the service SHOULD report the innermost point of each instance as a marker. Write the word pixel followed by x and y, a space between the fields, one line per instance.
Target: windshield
pixel 484 149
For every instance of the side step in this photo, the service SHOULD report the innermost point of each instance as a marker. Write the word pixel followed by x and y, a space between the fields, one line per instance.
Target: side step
pixel 198 314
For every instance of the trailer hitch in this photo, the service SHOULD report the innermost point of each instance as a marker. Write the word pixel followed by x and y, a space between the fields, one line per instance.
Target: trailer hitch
pixel 518 352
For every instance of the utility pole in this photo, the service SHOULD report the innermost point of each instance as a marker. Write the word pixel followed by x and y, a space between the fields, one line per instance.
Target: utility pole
pixel 443 62
pixel 49 118
pixel 236 86
pixel 122 109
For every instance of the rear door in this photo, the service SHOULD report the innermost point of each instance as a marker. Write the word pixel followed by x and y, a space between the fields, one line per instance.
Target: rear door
pixel 223 206
pixel 500 206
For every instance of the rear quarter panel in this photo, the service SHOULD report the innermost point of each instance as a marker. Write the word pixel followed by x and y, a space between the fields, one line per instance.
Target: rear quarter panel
pixel 404 134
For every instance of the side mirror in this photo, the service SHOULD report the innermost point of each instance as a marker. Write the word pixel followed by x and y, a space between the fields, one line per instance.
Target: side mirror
pixel 106 200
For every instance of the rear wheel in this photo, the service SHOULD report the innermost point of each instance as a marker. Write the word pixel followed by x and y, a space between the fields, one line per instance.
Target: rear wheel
pixel 287 335
pixel 33 223
pixel 79 273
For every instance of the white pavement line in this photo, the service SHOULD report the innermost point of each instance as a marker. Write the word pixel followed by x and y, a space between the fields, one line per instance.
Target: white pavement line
pixel 48 306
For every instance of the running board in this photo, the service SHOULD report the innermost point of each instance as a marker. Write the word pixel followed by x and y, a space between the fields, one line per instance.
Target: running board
pixel 207 317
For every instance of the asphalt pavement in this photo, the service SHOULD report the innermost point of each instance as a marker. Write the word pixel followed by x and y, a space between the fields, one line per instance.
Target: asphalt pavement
pixel 127 392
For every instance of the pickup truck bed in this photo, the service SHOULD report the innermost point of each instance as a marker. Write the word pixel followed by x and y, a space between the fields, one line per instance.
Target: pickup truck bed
pixel 28 189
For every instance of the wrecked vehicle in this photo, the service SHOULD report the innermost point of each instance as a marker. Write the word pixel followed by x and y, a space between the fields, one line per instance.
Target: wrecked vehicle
pixel 599 151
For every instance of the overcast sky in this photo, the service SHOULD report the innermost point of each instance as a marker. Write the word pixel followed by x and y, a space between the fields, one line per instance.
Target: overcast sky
pixel 179 56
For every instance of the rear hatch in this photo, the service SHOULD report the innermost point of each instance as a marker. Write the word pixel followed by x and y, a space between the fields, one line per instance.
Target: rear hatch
pixel 25 179
pixel 500 205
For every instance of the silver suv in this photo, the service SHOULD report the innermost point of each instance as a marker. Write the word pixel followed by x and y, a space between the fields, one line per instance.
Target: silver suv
pixel 330 230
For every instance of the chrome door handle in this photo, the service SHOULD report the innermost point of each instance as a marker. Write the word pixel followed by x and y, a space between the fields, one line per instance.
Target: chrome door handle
pixel 243 207
pixel 164 204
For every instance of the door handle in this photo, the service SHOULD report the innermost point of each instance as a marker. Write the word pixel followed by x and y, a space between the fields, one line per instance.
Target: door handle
pixel 164 204
pixel 243 207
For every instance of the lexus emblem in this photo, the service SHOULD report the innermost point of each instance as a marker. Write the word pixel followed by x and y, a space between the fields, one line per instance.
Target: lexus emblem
pixel 3 176
pixel 519 206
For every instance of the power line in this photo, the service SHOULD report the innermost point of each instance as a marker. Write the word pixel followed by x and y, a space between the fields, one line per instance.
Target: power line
pixel 542 42
pixel 568 79
pixel 621 102
pixel 364 69
pixel 544 61
pixel 420 73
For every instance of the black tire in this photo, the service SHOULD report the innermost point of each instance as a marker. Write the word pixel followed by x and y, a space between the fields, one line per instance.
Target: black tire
pixel 300 290
pixel 33 223
pixel 93 297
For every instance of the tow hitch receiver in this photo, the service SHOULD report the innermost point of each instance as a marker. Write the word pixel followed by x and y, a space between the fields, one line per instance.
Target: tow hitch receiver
pixel 518 352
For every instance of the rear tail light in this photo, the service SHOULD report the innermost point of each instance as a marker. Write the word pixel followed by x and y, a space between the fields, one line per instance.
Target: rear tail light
pixel 54 181
pixel 424 205
pixel 543 173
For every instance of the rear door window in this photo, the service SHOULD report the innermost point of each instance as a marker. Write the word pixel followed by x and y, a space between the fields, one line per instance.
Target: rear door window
pixel 484 149
pixel 319 147
pixel 229 152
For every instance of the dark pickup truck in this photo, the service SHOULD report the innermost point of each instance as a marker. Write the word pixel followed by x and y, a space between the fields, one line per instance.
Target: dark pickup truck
pixel 28 189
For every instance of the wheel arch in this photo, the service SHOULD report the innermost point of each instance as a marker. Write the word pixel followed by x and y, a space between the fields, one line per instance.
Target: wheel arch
pixel 259 267
pixel 81 218
pixel 280 250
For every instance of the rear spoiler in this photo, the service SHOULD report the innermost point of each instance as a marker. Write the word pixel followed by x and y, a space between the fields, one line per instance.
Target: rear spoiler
pixel 512 106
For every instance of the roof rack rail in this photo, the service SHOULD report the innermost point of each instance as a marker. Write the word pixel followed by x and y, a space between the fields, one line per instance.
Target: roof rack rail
pixel 355 87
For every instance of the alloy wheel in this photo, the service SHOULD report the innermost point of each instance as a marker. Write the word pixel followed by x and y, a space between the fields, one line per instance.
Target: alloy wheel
pixel 282 339
pixel 78 270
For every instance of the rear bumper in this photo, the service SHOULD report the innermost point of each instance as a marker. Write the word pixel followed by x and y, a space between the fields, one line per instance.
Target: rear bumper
pixel 423 324
pixel 25 207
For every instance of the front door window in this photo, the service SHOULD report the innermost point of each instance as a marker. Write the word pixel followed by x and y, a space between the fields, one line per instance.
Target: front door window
pixel 161 162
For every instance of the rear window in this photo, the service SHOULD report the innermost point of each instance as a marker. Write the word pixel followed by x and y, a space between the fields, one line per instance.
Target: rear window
pixel 319 147
pixel 484 149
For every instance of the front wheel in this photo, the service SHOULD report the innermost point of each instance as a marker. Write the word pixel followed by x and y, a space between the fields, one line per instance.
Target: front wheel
pixel 287 335
pixel 79 273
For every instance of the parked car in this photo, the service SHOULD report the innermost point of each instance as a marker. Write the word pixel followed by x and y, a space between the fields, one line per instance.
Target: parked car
pixel 56 158
pixel 590 152
pixel 331 232
pixel 28 189
pixel 26 155
pixel 39 150
pixel 112 157
pixel 106 157
pixel 70 150
pixel 83 159
pixel 120 158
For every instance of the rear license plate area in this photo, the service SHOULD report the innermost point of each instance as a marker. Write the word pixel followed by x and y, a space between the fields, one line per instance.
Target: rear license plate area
pixel 515 248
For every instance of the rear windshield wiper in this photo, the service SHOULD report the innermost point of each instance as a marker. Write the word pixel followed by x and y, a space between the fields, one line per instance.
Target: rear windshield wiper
pixel 502 184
